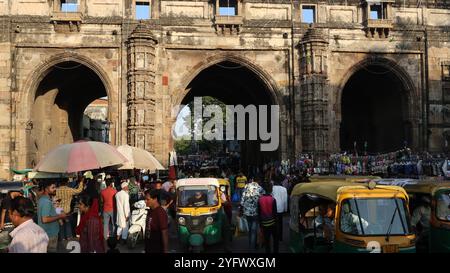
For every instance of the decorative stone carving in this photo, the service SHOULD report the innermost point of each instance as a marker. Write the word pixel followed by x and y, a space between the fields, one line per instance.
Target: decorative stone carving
pixel 314 91
pixel 141 83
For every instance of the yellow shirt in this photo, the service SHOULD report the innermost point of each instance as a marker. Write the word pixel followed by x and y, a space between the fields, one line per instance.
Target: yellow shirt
pixel 240 181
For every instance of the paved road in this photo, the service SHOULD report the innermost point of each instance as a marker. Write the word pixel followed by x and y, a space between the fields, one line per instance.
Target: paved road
pixel 238 245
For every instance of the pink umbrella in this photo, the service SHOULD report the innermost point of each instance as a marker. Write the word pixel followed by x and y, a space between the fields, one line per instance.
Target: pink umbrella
pixel 80 156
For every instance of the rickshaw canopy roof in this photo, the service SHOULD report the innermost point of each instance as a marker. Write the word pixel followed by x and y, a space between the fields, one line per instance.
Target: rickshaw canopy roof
pixel 224 182
pixel 197 182
pixel 349 178
pixel 429 186
pixel 328 190
pixel 331 189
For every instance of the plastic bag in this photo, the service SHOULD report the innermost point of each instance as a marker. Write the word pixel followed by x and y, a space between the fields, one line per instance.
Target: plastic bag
pixel 242 225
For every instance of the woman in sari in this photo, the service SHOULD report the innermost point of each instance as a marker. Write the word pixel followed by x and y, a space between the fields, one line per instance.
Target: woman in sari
pixel 90 228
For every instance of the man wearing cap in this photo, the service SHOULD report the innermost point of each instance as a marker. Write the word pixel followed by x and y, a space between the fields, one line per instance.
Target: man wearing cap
pixel 123 211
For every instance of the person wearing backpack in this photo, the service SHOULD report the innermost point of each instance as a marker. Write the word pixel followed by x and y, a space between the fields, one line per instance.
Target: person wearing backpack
pixel 267 213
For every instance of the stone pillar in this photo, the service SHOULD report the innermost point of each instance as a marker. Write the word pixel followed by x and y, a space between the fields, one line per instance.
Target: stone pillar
pixel 141 88
pixel 314 92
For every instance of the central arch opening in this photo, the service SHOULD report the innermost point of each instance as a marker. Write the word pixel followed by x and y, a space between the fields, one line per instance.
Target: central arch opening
pixel 70 104
pixel 230 83
pixel 374 111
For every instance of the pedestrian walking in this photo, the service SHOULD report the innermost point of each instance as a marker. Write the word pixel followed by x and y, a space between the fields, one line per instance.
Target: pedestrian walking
pixel 6 204
pixel 90 228
pixel 281 196
pixel 157 229
pixel 267 215
pixel 249 209
pixel 65 195
pixel 123 212
pixel 241 180
pixel 47 216
pixel 27 237
pixel 107 197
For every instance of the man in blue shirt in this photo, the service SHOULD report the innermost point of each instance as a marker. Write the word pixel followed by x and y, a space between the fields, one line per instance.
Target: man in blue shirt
pixel 47 217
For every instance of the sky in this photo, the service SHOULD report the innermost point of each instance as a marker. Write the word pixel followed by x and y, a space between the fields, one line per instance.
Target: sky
pixel 180 128
pixel 142 12
pixel 69 7
pixel 227 11
pixel 308 16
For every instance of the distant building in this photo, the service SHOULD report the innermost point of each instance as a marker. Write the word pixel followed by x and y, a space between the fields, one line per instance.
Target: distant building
pixel 95 121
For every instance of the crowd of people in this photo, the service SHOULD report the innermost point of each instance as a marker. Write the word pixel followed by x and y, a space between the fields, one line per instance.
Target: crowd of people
pixel 47 215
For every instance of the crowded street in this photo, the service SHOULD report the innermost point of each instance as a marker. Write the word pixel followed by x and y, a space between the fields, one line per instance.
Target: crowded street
pixel 243 129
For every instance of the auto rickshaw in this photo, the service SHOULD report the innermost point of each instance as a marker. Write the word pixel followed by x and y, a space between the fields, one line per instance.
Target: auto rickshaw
pixel 438 193
pixel 200 215
pixel 343 216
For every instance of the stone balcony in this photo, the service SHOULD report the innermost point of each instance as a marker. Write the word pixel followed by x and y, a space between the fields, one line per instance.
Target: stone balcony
pixel 379 26
pixel 224 24
pixel 67 16
pixel 67 21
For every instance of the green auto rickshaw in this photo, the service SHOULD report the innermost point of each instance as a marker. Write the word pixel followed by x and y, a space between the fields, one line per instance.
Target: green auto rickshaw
pixel 200 214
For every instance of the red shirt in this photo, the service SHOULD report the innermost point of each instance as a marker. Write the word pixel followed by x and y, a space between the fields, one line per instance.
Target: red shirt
pixel 108 199
pixel 157 221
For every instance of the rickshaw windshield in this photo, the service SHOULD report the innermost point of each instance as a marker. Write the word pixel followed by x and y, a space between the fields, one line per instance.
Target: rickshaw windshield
pixel 373 217
pixel 443 206
pixel 197 196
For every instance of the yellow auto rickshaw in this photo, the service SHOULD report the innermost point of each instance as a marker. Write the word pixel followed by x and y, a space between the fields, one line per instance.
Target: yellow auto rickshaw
pixel 343 216
pixel 200 215
pixel 438 193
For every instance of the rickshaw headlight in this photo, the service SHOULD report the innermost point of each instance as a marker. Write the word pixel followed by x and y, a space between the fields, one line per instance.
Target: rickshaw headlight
pixel 181 221
pixel 209 220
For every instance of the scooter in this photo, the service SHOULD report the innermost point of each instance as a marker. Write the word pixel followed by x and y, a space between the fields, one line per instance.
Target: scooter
pixel 137 224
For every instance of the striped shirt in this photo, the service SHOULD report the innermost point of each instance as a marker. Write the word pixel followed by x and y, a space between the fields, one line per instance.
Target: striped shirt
pixel 65 194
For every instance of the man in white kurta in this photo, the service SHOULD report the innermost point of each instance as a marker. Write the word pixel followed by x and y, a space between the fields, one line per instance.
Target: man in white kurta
pixel 123 211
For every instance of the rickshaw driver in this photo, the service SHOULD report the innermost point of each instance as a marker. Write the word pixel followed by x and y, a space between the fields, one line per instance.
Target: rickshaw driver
pixel 325 221
pixel 350 221
pixel 198 200
pixel 443 207
pixel 422 215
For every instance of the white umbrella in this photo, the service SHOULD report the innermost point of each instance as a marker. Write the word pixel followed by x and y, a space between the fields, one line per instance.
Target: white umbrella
pixel 138 159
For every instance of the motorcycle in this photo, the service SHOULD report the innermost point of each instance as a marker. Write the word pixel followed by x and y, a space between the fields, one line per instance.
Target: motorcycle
pixel 137 224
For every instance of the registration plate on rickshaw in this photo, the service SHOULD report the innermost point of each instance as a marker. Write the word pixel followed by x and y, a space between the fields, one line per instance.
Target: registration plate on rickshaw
pixel 390 248
pixel 195 222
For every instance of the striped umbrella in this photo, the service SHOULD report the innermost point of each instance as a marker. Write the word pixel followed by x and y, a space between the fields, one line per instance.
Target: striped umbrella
pixel 80 156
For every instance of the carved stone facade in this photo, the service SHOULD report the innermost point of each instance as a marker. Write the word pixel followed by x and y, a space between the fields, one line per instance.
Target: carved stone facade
pixel 314 91
pixel 141 88
pixel 54 63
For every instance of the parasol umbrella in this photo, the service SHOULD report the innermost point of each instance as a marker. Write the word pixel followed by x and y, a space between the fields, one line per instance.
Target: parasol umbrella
pixel 138 159
pixel 80 156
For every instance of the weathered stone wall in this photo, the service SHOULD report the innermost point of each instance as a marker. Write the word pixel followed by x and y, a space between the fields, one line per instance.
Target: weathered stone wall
pixel 264 37
pixel 6 132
